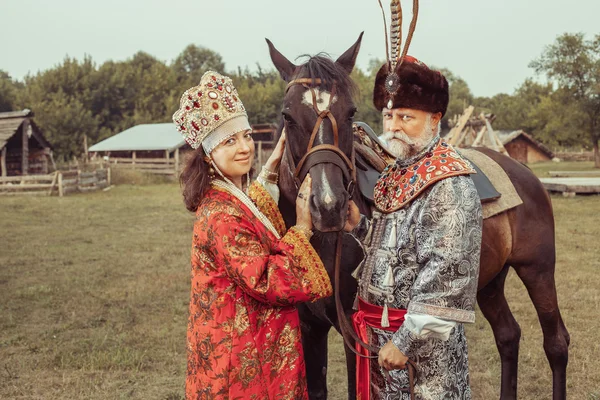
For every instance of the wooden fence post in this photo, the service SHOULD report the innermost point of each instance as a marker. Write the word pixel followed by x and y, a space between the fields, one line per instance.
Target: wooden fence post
pixel 108 176
pixel 133 159
pixel 3 161
pixel 60 184
pixel 176 162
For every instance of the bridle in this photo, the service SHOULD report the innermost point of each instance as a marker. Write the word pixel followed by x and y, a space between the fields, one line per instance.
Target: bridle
pixel 322 153
pixel 332 154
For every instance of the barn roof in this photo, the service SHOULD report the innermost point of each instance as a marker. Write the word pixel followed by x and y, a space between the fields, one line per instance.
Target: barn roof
pixel 508 136
pixel 10 123
pixel 143 137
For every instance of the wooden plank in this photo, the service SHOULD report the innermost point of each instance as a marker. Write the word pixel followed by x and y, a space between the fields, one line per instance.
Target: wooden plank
pixel 53 183
pixel 563 174
pixel 28 193
pixel 25 149
pixel 25 187
pixel 60 184
pixel 462 121
pixel 28 178
pixel 3 162
pixel 139 160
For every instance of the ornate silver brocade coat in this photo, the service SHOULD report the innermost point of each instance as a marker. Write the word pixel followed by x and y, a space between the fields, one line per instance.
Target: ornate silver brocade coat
pixel 431 249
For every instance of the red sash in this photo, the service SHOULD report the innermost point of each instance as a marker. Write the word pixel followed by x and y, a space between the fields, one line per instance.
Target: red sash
pixel 370 315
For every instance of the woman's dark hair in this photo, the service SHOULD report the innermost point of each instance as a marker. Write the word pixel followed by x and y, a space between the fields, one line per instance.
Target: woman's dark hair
pixel 195 179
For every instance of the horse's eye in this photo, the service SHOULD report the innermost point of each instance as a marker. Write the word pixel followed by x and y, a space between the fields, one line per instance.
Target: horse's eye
pixel 352 113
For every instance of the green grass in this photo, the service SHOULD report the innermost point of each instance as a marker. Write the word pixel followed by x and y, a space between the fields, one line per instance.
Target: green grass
pixel 94 291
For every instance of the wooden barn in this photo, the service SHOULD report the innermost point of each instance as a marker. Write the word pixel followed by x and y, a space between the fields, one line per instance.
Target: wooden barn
pixel 523 147
pixel 23 148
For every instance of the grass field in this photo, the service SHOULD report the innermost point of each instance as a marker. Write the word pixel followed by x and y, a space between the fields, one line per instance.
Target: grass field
pixel 94 291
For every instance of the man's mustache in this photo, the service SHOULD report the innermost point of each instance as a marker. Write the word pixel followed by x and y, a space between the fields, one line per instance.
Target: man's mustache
pixel 387 136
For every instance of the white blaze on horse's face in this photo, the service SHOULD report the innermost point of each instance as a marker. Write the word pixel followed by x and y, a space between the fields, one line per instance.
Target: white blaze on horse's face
pixel 323 101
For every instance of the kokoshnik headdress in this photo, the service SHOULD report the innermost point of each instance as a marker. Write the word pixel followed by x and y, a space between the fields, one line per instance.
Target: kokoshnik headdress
pixel 403 81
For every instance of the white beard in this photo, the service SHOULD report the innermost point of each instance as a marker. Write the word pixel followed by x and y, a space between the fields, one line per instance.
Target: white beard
pixel 402 147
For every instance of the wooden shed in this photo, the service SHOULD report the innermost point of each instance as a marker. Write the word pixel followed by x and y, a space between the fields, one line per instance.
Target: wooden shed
pixel 23 148
pixel 523 147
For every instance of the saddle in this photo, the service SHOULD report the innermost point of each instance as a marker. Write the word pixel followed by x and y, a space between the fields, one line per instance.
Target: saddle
pixel 372 157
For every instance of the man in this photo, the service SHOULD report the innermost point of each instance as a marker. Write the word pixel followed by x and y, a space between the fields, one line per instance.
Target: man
pixel 418 282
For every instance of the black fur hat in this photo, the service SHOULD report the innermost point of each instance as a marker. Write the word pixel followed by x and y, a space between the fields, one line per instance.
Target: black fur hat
pixel 411 85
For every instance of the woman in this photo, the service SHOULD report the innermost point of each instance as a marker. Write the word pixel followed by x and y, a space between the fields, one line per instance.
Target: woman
pixel 247 271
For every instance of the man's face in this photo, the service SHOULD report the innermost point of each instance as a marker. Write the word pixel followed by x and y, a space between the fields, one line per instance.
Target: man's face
pixel 408 131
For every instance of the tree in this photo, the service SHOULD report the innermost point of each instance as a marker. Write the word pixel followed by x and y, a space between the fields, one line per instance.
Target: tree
pixel 460 96
pixel 573 63
pixel 8 92
pixel 193 62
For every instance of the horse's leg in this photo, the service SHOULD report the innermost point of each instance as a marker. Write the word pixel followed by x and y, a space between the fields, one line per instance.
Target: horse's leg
pixel 539 281
pixel 314 343
pixel 351 372
pixel 507 332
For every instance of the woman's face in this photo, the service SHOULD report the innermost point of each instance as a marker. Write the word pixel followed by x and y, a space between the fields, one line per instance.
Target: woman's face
pixel 235 155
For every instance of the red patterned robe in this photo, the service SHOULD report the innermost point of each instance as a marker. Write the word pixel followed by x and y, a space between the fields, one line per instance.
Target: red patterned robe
pixel 243 339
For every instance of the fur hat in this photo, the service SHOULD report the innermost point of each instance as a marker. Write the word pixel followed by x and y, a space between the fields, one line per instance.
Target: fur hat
pixel 210 112
pixel 411 85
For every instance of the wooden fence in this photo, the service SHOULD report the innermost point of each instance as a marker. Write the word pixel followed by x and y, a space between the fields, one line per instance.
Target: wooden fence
pixel 161 166
pixel 60 183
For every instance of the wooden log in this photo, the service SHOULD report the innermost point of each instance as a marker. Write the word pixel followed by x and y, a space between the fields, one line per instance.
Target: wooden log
pixel 87 181
pixel 462 121
pixel 3 162
pixel 53 183
pixel 25 150
pixel 60 184
pixel 12 188
pixel 24 193
pixel 563 174
pixel 28 178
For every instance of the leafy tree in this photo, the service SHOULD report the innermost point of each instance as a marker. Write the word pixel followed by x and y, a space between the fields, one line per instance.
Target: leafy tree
pixel 193 62
pixel 573 63
pixel 8 92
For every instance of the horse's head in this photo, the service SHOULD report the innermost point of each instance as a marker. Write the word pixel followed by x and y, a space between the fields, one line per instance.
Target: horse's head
pixel 317 114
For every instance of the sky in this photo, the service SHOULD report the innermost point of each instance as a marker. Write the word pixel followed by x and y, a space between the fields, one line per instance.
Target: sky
pixel 487 43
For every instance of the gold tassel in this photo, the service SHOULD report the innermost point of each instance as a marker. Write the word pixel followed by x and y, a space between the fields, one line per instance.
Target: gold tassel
pixel 385 322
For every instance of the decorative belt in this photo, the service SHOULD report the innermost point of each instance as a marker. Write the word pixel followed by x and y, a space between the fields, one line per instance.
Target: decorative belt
pixel 370 315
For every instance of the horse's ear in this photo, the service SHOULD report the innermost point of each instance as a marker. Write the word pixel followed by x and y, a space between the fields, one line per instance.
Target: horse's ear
pixel 348 59
pixel 284 66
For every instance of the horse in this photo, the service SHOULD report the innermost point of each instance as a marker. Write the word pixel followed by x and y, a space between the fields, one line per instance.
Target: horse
pixel 318 111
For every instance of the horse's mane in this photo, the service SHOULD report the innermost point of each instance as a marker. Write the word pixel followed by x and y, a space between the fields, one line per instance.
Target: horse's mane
pixel 323 67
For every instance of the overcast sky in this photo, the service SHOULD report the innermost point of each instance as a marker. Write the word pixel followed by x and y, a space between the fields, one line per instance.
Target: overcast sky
pixel 487 43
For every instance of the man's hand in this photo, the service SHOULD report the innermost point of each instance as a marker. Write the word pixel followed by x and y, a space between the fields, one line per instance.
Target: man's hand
pixel 390 357
pixel 273 162
pixel 353 216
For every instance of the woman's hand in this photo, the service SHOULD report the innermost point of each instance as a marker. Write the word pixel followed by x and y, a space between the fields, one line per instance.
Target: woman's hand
pixel 303 216
pixel 273 162
pixel 353 216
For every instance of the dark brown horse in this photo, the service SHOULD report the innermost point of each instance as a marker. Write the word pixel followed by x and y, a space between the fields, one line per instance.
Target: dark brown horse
pixel 521 238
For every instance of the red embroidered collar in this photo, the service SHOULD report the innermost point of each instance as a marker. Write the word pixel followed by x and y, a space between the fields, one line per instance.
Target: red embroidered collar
pixel 398 184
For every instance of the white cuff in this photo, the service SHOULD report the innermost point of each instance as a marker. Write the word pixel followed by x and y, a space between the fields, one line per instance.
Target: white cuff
pixel 426 326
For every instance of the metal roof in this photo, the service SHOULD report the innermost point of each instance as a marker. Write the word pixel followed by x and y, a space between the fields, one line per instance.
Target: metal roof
pixel 143 137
